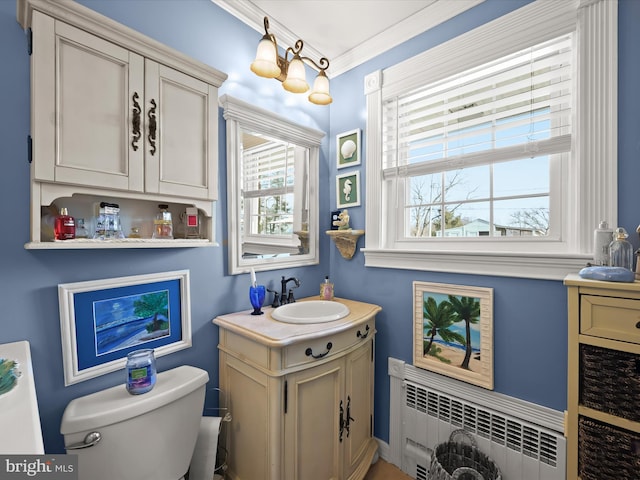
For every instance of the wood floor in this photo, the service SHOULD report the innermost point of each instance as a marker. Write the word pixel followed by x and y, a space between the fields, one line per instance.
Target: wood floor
pixel 382 470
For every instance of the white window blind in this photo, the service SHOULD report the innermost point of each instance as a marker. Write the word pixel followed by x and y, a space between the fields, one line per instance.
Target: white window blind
pixel 478 149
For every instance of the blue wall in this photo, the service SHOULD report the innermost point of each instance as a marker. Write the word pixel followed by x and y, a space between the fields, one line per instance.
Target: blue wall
pixel 529 315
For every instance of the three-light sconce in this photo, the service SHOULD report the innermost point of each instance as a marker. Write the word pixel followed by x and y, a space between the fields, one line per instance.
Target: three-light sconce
pixel 291 73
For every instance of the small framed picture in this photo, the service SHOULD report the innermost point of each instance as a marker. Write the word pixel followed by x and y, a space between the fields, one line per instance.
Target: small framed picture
pixel 348 146
pixel 348 190
pixel 453 332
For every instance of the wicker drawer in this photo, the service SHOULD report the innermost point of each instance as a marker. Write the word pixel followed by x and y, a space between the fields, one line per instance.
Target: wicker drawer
pixel 610 381
pixel 613 318
pixel 318 348
pixel 606 452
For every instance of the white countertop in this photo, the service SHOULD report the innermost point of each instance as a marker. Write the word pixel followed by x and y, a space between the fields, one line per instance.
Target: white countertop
pixel 20 431
pixel 270 332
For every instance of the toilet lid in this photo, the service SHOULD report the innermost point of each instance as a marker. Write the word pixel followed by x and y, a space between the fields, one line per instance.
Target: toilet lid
pixel 115 404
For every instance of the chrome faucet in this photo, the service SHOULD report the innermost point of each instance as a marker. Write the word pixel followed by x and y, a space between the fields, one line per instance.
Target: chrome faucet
pixel 284 298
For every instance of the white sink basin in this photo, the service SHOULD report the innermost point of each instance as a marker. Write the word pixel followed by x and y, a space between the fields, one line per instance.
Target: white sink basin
pixel 312 311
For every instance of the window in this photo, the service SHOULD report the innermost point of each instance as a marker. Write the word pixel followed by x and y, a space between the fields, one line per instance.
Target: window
pixel 267 215
pixel 471 155
pixel 480 161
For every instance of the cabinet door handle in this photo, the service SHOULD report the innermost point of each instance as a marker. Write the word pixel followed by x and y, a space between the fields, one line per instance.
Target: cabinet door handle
pixel 349 418
pixel 638 325
pixel 309 352
pixel 152 126
pixel 341 420
pixel 135 122
pixel 363 335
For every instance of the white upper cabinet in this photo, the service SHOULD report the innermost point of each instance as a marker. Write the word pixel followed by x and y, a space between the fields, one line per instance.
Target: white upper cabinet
pixel 84 93
pixel 181 151
pixel 105 116
pixel 116 115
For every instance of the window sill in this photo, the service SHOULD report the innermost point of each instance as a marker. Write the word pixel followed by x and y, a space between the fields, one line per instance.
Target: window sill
pixel 539 266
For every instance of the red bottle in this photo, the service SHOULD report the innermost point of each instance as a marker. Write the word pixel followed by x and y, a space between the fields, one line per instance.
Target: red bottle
pixel 65 226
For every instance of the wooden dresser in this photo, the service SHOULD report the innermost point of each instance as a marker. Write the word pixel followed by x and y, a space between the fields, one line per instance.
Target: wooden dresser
pixel 603 396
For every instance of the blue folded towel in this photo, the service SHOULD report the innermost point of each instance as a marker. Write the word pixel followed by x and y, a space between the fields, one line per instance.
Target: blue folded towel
pixel 608 274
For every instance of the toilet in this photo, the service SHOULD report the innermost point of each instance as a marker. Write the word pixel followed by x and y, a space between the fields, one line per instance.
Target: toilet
pixel 141 437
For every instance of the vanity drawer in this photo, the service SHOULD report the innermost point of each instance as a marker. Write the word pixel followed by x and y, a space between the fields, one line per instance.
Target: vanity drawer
pixel 612 318
pixel 308 351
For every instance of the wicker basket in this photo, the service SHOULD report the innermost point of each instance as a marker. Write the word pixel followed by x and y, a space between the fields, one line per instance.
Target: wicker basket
pixel 610 381
pixel 607 453
pixel 462 461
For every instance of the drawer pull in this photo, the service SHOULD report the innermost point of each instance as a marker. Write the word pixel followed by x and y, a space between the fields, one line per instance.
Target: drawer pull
pixel 638 325
pixel 309 352
pixel 363 335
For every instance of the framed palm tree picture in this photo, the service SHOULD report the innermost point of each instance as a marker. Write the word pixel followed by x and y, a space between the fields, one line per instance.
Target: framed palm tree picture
pixel 453 331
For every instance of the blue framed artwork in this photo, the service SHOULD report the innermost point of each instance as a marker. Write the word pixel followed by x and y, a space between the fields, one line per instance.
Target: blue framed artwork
pixel 101 321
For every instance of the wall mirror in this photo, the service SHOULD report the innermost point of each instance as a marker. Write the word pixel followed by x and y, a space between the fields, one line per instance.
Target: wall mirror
pixel 272 189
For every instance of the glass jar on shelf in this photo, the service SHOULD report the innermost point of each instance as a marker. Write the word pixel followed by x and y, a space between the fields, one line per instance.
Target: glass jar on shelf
pixel 162 224
pixel 108 222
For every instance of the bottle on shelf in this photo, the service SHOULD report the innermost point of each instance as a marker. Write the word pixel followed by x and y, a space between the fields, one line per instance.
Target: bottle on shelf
pixel 108 222
pixel 620 250
pixel 81 229
pixel 65 225
pixel 192 223
pixel 601 240
pixel 162 224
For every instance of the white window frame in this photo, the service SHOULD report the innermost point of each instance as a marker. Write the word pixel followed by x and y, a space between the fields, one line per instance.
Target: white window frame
pixel 590 182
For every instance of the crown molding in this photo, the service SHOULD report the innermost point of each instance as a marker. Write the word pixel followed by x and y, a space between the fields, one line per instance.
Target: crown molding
pixel 434 14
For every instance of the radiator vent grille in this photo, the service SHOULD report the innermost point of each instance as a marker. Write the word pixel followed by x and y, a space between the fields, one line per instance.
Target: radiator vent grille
pixel 498 428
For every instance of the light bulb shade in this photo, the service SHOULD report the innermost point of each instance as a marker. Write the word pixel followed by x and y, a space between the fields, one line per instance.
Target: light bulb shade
pixel 266 62
pixel 320 94
pixel 296 81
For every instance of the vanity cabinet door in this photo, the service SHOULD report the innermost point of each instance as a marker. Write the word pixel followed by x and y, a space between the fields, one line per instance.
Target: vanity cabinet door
pixel 312 449
pixel 358 438
pixel 181 143
pixel 328 423
pixel 83 90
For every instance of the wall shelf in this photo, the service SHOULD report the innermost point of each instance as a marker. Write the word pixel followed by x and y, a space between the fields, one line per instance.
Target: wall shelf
pixel 346 241
pixel 78 243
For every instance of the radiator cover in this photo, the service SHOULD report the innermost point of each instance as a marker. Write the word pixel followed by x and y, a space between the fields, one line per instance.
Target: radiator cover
pixel 524 440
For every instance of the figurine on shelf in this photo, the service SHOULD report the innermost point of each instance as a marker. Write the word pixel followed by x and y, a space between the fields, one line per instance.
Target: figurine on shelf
pixel 343 221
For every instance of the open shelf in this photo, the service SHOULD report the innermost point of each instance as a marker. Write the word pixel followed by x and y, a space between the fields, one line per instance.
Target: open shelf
pixel 346 241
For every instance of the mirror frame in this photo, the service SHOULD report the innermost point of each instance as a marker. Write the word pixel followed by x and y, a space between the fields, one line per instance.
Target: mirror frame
pixel 239 116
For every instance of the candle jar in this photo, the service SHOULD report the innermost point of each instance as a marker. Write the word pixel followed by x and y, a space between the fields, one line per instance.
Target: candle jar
pixel 141 371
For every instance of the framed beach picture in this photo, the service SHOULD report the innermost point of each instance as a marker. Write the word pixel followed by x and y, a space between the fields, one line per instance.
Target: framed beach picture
pixel 349 145
pixel 348 190
pixel 101 321
pixel 453 331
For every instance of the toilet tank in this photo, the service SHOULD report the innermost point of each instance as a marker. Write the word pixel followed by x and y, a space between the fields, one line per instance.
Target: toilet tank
pixel 143 437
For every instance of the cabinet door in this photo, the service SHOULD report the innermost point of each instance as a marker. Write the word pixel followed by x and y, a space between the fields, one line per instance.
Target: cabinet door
pixel 83 92
pixel 181 115
pixel 250 446
pixel 359 409
pixel 312 447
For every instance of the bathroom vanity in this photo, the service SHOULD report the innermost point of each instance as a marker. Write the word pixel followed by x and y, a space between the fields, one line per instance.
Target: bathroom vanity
pixel 301 395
